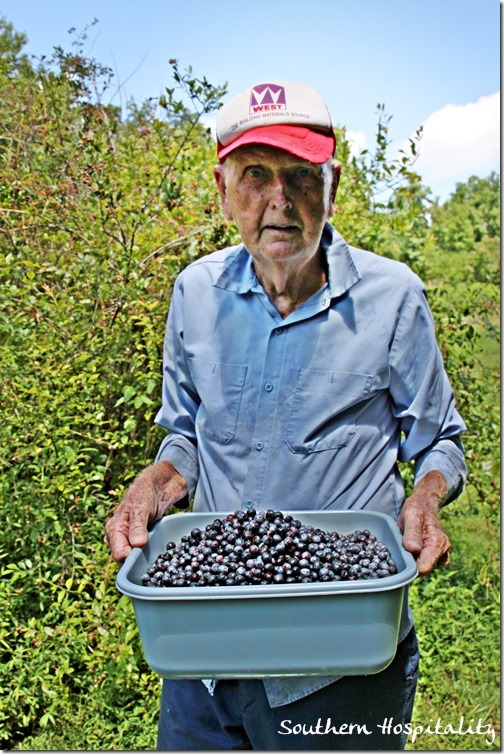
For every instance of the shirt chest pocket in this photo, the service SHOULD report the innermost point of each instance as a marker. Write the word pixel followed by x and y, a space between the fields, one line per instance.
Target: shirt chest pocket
pixel 324 408
pixel 220 388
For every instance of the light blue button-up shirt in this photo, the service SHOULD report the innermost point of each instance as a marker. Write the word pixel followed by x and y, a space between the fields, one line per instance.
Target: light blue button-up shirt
pixel 313 411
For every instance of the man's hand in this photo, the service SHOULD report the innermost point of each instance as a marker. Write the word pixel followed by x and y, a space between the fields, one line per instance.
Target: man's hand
pixel 422 532
pixel 155 490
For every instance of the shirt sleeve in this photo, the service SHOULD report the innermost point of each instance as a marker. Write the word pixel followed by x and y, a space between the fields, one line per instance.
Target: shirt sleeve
pixel 423 400
pixel 180 400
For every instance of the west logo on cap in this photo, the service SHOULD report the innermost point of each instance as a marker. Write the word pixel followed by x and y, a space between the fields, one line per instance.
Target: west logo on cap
pixel 267 97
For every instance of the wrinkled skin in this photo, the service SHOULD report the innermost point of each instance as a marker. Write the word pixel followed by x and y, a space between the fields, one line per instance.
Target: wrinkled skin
pixel 422 532
pixel 153 492
pixel 280 205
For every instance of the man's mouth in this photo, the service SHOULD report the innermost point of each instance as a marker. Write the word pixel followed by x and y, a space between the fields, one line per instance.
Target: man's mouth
pixel 281 228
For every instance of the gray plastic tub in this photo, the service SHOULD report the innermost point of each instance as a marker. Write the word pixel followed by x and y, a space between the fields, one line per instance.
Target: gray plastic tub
pixel 317 629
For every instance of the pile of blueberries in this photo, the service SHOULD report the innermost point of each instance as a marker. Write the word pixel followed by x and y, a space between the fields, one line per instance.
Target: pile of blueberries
pixel 268 547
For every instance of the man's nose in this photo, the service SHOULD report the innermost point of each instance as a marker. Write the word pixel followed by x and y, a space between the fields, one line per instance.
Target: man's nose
pixel 280 193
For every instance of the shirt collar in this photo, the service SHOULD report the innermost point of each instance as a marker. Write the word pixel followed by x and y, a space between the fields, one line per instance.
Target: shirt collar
pixel 343 272
pixel 239 275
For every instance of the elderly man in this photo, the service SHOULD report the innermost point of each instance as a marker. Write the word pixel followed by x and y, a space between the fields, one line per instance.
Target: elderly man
pixel 298 372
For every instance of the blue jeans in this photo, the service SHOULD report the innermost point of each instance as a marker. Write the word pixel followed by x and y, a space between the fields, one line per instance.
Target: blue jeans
pixel 356 712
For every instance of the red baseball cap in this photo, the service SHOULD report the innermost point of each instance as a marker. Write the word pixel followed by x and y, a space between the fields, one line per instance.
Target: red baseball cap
pixel 285 115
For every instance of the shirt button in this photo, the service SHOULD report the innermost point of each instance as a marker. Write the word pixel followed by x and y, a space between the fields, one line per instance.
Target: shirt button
pixel 268 387
pixel 279 330
pixel 249 504
pixel 259 445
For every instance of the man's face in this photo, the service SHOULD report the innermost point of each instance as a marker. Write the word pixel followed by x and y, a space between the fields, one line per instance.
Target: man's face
pixel 279 202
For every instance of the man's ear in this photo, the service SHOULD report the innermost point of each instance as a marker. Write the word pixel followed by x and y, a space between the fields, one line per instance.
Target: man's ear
pixel 335 180
pixel 220 179
pixel 336 175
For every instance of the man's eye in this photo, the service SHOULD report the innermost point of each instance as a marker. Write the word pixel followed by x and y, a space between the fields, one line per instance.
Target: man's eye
pixel 255 172
pixel 304 173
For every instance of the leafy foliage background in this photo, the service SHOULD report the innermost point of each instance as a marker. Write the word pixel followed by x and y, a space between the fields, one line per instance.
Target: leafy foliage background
pixel 99 211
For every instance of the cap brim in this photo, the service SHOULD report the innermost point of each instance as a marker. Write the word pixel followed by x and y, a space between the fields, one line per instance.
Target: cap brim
pixel 306 143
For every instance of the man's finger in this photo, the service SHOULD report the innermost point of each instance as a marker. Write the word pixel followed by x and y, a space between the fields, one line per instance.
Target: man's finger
pixel 413 535
pixel 118 543
pixel 434 553
pixel 138 520
pixel 125 530
pixel 444 560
